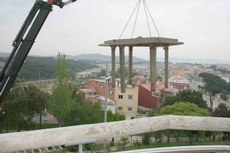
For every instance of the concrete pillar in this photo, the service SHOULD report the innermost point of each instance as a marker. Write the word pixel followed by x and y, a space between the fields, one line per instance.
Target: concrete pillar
pixel 153 67
pixel 166 48
pixel 130 64
pixel 122 68
pixel 113 61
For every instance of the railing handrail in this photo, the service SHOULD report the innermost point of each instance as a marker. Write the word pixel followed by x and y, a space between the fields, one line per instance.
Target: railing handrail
pixel 208 148
pixel 10 142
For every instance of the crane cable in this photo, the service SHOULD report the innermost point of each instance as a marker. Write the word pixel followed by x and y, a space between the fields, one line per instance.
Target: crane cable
pixel 146 16
pixel 146 9
pixel 129 19
pixel 134 26
pixel 151 18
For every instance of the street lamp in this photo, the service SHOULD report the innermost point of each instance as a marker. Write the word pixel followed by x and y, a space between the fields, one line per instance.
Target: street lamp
pixel 107 78
pixel 106 97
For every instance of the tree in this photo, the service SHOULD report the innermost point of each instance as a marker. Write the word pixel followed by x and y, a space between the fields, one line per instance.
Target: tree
pixel 114 117
pixel 222 106
pixel 184 108
pixel 124 141
pixel 84 113
pixel 66 106
pixel 222 111
pixel 190 96
pixel 213 85
pixel 61 102
pixel 159 78
pixel 102 73
pixel 111 117
pixel 224 96
pixel 22 103
pixel 44 67
pixel 146 138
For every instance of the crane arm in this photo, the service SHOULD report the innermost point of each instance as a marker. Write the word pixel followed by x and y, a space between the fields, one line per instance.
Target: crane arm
pixel 24 42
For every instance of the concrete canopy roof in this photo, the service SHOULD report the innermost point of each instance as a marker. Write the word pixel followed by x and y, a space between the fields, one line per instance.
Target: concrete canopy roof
pixel 142 42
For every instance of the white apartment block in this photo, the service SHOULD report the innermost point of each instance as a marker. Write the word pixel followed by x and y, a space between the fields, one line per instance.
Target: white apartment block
pixel 127 103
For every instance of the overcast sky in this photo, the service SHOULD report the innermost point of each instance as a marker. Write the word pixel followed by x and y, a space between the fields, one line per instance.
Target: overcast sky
pixel 78 28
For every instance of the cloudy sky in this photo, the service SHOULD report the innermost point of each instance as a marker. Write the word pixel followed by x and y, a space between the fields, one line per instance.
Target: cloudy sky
pixel 78 28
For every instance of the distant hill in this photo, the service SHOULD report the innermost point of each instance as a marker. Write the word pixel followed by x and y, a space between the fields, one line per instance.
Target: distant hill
pixel 90 57
pixel 4 54
pixel 35 68
pixel 195 61
pixel 99 58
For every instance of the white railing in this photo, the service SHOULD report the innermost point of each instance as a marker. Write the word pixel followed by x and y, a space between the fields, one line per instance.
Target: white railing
pixel 183 149
pixel 11 142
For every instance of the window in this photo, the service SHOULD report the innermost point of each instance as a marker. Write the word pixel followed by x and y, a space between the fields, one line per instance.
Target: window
pixel 130 96
pixel 129 108
pixel 119 108
pixel 120 96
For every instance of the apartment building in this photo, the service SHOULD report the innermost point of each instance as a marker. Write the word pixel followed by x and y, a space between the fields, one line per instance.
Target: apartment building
pixel 147 100
pixel 91 95
pixel 178 82
pixel 99 86
pixel 127 102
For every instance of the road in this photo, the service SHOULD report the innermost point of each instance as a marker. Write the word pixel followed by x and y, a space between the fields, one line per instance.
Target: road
pixel 216 100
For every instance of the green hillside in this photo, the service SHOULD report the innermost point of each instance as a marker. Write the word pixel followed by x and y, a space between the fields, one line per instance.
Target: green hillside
pixel 36 68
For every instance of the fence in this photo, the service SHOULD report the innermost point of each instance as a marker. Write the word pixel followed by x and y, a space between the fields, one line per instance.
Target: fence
pixel 10 142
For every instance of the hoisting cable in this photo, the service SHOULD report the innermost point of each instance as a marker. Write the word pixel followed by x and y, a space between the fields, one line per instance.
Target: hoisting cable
pixel 129 18
pixel 134 26
pixel 151 18
pixel 146 9
pixel 146 16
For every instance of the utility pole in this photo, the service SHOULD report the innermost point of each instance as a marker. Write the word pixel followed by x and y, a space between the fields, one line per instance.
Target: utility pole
pixel 106 99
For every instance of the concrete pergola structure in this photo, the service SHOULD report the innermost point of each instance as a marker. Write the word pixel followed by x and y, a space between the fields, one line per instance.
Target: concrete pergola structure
pixel 152 43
